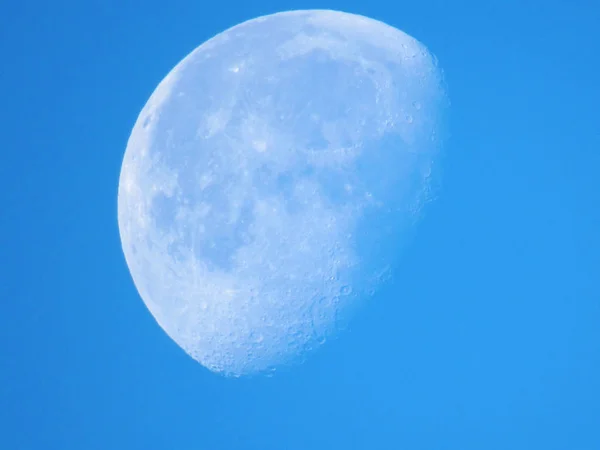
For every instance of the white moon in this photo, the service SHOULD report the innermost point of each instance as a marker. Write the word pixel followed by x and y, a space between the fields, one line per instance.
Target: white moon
pixel 269 178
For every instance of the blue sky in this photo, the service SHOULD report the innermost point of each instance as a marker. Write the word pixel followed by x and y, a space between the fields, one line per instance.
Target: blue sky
pixel 488 338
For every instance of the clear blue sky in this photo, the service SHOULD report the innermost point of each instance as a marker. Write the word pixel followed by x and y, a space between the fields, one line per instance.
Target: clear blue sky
pixel 489 338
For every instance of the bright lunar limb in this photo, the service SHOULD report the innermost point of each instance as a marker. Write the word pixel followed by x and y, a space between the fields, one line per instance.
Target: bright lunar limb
pixel 270 178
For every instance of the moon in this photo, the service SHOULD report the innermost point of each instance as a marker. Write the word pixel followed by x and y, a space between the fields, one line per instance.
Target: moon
pixel 270 180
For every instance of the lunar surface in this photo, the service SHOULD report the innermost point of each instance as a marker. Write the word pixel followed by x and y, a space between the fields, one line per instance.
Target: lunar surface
pixel 271 178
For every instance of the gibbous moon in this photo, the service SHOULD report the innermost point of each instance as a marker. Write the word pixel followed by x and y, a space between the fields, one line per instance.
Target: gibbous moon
pixel 270 180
